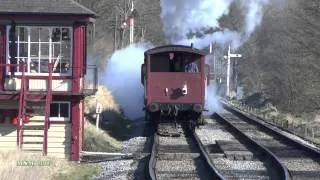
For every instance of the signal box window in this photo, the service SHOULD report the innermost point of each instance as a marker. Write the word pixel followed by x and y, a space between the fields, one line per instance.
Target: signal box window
pixel 40 45
pixel 60 111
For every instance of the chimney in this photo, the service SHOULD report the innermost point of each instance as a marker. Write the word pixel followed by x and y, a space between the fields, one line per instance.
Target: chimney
pixel 191 45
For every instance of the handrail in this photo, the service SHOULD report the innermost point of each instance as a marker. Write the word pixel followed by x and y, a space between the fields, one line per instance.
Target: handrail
pixel 47 110
pixel 21 113
pixel 89 84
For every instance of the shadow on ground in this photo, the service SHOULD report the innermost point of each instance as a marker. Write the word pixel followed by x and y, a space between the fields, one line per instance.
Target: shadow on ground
pixel 118 126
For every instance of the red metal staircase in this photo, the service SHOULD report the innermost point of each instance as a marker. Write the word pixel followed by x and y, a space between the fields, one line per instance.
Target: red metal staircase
pixel 25 97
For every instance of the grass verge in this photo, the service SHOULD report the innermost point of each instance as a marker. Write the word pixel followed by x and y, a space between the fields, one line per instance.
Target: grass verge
pixel 16 165
pixel 98 140
pixel 113 121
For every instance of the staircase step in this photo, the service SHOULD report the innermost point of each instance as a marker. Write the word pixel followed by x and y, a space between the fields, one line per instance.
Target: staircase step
pixel 33 127
pixel 32 146
pixel 40 107
pixel 33 133
pixel 32 142
pixel 34 123
pixel 37 151
pixel 37 118
pixel 29 139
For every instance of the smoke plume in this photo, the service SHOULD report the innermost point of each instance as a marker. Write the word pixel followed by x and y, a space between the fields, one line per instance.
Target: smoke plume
pixel 180 17
pixel 122 78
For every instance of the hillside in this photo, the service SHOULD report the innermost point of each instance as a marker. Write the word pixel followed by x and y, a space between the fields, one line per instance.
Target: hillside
pixel 281 58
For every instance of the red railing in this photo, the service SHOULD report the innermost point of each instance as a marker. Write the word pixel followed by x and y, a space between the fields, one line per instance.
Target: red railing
pixel 47 111
pixel 23 100
pixel 22 108
pixel 90 79
pixel 21 113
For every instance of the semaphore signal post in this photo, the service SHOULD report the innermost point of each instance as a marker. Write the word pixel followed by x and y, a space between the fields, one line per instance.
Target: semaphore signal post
pixel 228 57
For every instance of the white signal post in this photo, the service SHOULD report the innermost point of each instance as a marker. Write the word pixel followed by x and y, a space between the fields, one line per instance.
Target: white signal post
pixel 131 30
pixel 98 112
pixel 228 57
pixel 129 22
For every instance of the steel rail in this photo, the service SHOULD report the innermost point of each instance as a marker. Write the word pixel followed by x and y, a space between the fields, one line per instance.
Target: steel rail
pixel 152 160
pixel 315 153
pixel 204 154
pixel 282 170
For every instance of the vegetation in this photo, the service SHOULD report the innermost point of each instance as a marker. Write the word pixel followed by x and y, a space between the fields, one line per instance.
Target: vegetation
pixel 112 123
pixel 18 165
pixel 302 127
pixel 281 58
pixel 76 171
pixel 98 140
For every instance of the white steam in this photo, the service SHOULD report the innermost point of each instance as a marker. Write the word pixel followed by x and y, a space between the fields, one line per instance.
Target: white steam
pixel 122 78
pixel 181 17
pixel 254 14
pixel 212 103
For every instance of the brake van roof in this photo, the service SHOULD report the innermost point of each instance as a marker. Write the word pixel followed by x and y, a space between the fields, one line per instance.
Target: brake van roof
pixel 174 48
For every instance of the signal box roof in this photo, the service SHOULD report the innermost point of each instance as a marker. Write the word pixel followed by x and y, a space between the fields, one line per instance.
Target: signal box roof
pixel 44 7
pixel 174 48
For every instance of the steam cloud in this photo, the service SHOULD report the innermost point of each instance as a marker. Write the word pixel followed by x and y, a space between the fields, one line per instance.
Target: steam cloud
pixel 212 104
pixel 122 77
pixel 181 17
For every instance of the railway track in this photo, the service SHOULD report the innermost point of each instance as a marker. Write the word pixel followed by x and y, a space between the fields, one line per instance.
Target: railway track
pixel 300 161
pixel 182 157
pixel 238 157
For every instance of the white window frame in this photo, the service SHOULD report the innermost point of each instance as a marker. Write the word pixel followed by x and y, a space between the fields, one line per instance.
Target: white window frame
pixel 62 118
pixel 29 50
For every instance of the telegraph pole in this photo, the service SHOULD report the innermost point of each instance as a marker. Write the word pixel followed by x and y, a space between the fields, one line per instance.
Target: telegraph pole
pixel 115 33
pixel 228 57
pixel 131 23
